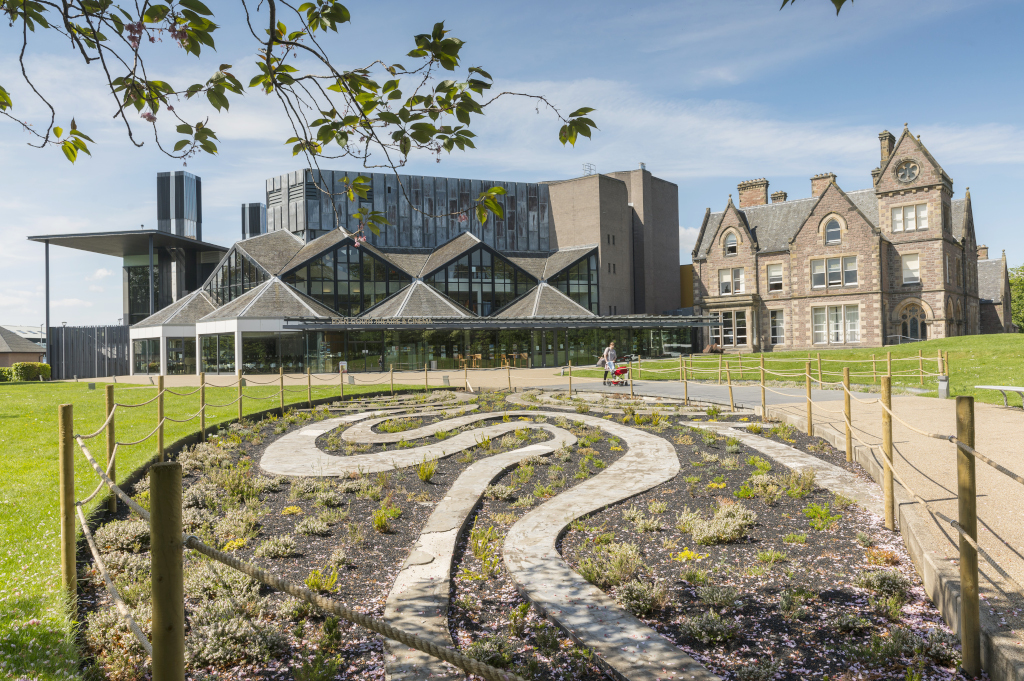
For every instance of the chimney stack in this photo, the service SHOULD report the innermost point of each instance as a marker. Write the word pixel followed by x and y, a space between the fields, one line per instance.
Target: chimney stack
pixel 887 141
pixel 983 252
pixel 819 183
pixel 779 197
pixel 753 193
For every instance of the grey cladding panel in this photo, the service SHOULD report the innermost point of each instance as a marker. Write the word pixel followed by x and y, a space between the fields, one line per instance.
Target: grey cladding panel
pixel 510 215
pixel 499 224
pixel 391 201
pixel 464 204
pixel 428 211
pixel 453 208
pixel 542 217
pixel 522 240
pixel 475 187
pixel 379 192
pixel 417 211
pixel 404 190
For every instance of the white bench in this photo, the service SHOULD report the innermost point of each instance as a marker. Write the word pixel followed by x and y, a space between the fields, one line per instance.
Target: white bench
pixel 1004 389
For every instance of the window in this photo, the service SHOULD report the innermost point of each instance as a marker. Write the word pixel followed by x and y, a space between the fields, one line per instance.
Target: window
pixel 730 244
pixel 731 330
pixel 777 319
pixel 949 272
pixel 850 271
pixel 609 268
pixel 911 269
pixel 910 218
pixel 485 283
pixel 833 233
pixel 730 281
pixel 774 277
pixel 347 279
pixel 913 326
pixel 817 274
pixel 614 268
pixel 836 324
pixel 727 329
pixel 959 273
pixel 852 324
pixel 237 275
pixel 818 321
pixel 579 282
pixel 835 274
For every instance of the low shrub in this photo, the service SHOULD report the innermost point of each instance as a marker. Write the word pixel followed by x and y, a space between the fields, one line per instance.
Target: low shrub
pixel 641 597
pixel 880 556
pixel 820 517
pixel 322 580
pixel 883 650
pixel 399 425
pixel 695 576
pixel 129 536
pixel 729 524
pixel 495 650
pixel 657 507
pixel 795 539
pixel 759 670
pixel 848 623
pixel 238 523
pixel 784 432
pixel 771 556
pixel 885 583
pixel 865 539
pixel 762 464
pixel 276 547
pixel 6 374
pixel 610 565
pixel 647 524
pixel 313 526
pixel 228 631
pixel 791 602
pixel 320 667
pixel 500 492
pixel 709 628
pixel 718 596
pixel 799 484
pixel 30 371
pixel 942 647
pixel 426 469
pixel 755 428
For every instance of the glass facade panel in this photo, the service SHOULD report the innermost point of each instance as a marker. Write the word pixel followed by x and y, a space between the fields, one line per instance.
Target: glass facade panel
pixel 181 356
pixel 218 353
pixel 138 291
pixel 778 326
pixel 348 279
pixel 579 282
pixel 236 275
pixel 146 356
pixel 481 281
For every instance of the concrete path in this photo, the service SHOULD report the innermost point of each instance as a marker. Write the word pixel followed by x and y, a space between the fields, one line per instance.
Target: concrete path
pixel 622 642
pixel 296 454
pixel 418 602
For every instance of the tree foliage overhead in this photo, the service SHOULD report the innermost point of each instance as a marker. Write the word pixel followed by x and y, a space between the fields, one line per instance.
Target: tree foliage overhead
pixel 377 114
pixel 1017 297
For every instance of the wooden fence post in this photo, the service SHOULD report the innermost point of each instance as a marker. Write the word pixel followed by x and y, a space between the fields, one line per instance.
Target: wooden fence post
pixel 680 367
pixel 160 417
pixel 202 406
pixel 970 633
pixel 890 504
pixel 280 381
pixel 686 386
pixel 819 372
pixel 940 370
pixel 764 403
pixel 240 410
pixel 810 422
pixel 720 369
pixel 309 386
pixel 847 413
pixel 728 376
pixel 874 371
pixel 393 380
pixel 465 368
pixel 111 441
pixel 920 366
pixel 888 366
pixel 426 378
pixel 167 572
pixel 66 474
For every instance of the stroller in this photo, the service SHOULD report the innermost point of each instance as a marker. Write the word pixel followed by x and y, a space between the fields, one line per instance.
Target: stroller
pixel 620 376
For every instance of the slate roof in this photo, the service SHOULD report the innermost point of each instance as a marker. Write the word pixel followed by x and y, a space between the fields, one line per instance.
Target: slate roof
pixel 564 257
pixel 184 311
pixel 410 262
pixel 272 250
pixel 775 224
pixel 273 299
pixel 12 342
pixel 544 301
pixel 315 248
pixel 449 251
pixel 531 263
pixel 417 300
pixel 991 280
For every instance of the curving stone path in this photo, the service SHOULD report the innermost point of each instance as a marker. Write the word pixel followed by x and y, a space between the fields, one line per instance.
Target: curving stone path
pixel 643 404
pixel 622 642
pixel 418 601
pixel 363 432
pixel 826 475
pixel 296 454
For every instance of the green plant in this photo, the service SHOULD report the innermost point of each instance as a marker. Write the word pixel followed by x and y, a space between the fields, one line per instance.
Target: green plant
pixel 276 547
pixel 762 464
pixel 784 432
pixel 495 650
pixel 647 524
pixel 30 371
pixel 657 507
pixel 791 602
pixel 728 524
pixel 543 491
pixel 426 469
pixel 632 513
pixel 890 606
pixel 730 463
pixel 610 565
pixel 356 534
pixel 695 576
pixel 642 597
pixel 708 437
pixel 848 623
pixel 399 425
pixel 820 518
pixel 880 556
pixel 799 484
pixel 759 670
pixel 313 526
pixel 795 539
pixel 883 650
pixel 382 517
pixel 517 619
pixel 885 583
pixel 713 412
pixel 718 595
pixel 320 667
pixel 709 628
pixel 771 556
pixel 318 580
pixel 522 474
pixel 687 555
pixel 755 428
pixel 500 492
pixel 717 482
pixel 842 502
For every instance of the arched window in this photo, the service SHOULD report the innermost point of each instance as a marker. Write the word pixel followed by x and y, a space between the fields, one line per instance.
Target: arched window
pixel 833 232
pixel 913 325
pixel 730 244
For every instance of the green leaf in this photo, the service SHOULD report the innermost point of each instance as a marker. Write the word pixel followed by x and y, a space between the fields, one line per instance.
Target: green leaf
pixel 481 214
pixel 581 112
pixel 405 146
pixel 5 100
pixel 58 132
pixel 181 144
pixel 70 150
pixel 184 129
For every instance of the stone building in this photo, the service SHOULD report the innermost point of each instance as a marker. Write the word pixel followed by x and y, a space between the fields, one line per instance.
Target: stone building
pixel 994 293
pixel 894 263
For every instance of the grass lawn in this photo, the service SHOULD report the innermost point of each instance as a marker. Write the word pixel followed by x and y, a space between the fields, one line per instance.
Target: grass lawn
pixel 996 359
pixel 36 637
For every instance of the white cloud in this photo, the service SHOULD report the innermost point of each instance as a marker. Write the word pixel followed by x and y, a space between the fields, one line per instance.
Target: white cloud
pixel 101 273
pixel 96 289
pixel 70 302
pixel 687 240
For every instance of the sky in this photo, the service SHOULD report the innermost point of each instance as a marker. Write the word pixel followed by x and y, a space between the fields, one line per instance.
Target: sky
pixel 706 94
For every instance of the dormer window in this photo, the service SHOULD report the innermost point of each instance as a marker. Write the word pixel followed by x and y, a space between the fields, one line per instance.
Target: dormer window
pixel 833 232
pixel 730 244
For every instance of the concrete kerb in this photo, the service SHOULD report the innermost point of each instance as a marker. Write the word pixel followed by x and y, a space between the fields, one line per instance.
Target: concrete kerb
pixel 419 598
pixel 1002 656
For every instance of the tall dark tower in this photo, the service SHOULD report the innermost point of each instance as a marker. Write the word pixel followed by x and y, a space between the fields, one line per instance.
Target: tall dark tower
pixel 254 220
pixel 179 204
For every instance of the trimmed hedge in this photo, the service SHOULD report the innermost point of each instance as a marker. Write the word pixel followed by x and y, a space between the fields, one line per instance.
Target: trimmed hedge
pixel 30 371
pixel 6 374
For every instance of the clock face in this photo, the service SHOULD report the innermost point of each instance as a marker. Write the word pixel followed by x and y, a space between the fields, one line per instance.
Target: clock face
pixel 907 171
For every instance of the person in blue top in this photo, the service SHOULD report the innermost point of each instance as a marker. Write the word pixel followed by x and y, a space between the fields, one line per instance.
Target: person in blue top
pixel 609 358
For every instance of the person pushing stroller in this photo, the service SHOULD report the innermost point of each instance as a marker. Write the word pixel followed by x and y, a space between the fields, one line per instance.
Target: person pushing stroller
pixel 608 361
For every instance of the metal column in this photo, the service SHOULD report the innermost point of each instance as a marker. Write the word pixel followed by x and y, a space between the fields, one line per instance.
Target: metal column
pixel 151 310
pixel 49 357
